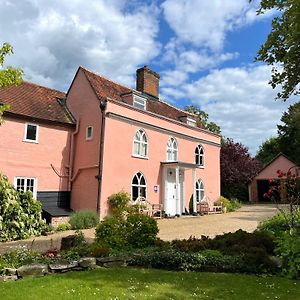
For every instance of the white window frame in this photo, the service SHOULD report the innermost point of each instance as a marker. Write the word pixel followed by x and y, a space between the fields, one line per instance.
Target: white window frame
pixel 191 122
pixel 200 156
pixel 139 102
pixel 88 138
pixel 139 185
pixel 199 189
pixel 173 150
pixel 36 136
pixel 140 142
pixel 25 178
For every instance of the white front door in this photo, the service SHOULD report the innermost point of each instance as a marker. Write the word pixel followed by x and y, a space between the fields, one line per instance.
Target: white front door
pixel 173 205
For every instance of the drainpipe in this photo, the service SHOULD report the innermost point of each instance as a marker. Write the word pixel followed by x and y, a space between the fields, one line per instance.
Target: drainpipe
pixel 103 104
pixel 72 154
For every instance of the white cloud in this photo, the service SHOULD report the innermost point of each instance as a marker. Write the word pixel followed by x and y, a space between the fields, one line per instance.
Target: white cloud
pixel 52 38
pixel 240 101
pixel 206 23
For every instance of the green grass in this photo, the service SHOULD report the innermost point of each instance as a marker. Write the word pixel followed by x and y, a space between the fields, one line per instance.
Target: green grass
pixel 129 283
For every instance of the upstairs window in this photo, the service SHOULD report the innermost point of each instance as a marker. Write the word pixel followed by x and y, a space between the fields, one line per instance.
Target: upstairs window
pixel 31 133
pixel 138 186
pixel 140 144
pixel 139 102
pixel 199 190
pixel 199 156
pixel 24 184
pixel 172 150
pixel 89 133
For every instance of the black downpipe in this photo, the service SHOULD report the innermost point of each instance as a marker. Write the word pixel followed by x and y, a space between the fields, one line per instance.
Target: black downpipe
pixel 100 166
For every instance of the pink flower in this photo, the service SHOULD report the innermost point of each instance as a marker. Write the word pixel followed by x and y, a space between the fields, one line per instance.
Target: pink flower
pixel 266 195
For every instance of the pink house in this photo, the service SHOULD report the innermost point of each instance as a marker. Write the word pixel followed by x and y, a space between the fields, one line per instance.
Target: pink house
pixel 101 137
pixel 260 184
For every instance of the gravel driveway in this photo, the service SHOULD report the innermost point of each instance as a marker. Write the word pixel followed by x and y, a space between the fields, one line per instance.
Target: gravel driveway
pixel 246 218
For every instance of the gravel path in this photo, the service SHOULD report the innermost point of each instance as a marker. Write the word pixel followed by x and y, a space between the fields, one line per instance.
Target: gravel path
pixel 246 218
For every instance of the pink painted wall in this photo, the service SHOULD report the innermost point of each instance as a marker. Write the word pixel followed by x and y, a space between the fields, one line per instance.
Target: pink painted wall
pixel 120 166
pixel 19 158
pixel 84 105
pixel 281 163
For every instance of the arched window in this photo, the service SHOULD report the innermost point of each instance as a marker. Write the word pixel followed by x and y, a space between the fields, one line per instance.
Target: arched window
pixel 140 143
pixel 199 156
pixel 172 150
pixel 199 190
pixel 138 186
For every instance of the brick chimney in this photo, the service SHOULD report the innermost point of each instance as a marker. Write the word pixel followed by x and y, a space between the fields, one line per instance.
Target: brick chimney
pixel 147 81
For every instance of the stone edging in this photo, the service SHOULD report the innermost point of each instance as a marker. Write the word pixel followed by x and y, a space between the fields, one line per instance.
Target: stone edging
pixel 62 266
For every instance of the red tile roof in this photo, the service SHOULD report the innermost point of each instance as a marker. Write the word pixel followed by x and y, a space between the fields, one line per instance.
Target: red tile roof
pixel 104 87
pixel 31 100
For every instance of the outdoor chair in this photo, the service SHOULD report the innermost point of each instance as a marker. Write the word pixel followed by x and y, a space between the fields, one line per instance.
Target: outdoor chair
pixel 156 211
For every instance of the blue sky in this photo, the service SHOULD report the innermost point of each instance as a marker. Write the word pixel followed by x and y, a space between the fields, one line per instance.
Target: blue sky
pixel 203 49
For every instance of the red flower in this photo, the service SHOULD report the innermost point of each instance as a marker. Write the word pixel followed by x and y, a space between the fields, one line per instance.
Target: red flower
pixel 270 181
pixel 266 195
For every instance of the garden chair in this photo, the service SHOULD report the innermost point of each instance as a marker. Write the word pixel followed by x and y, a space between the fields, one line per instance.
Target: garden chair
pixel 143 205
pixel 156 210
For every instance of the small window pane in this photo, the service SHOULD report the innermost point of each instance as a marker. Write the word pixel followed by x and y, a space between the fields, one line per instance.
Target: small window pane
pixel 31 132
pixel 89 133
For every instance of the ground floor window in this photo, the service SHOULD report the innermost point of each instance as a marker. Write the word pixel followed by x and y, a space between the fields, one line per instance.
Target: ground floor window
pixel 25 184
pixel 138 186
pixel 199 190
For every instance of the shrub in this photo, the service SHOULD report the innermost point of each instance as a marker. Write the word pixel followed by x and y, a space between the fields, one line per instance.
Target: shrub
pixel 112 233
pixel 190 245
pixel 84 219
pixel 279 223
pixel 119 202
pixel 288 248
pixel 18 257
pixel 235 203
pixel 97 250
pixel 20 213
pixel 63 227
pixel 141 229
pixel 241 242
pixel 226 202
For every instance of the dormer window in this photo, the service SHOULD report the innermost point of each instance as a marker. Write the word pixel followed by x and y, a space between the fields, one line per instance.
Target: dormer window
pixel 191 121
pixel 139 102
pixel 188 120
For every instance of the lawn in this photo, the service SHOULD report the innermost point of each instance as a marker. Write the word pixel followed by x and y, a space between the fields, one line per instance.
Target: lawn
pixel 129 283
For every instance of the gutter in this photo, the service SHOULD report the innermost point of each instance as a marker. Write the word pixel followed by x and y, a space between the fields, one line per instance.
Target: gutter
pixel 103 105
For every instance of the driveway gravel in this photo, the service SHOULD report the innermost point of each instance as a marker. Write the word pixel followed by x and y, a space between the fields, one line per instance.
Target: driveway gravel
pixel 246 218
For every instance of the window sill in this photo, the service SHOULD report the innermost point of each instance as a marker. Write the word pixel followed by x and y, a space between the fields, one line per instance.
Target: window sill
pixel 140 157
pixel 30 141
pixel 201 167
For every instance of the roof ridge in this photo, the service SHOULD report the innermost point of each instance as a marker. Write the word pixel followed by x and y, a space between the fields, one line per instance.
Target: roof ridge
pixel 45 87
pixel 106 78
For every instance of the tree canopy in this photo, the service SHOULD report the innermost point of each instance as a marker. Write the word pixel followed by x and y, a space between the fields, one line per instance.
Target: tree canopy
pixel 268 150
pixel 237 168
pixel 203 118
pixel 8 75
pixel 288 139
pixel 281 50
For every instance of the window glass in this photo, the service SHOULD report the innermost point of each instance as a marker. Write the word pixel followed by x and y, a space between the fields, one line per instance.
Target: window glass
pixel 199 190
pixel 89 133
pixel 25 184
pixel 199 155
pixel 172 150
pixel 139 102
pixel 31 132
pixel 140 144
pixel 138 186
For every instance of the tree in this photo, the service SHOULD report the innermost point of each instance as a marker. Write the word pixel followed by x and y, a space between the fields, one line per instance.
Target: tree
pixel 237 168
pixel 203 118
pixel 268 150
pixel 8 75
pixel 282 47
pixel 289 132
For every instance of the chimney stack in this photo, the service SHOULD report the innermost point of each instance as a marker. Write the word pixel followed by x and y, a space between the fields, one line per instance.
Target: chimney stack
pixel 147 81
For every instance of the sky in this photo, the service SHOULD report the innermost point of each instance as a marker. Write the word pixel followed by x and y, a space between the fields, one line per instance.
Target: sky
pixel 204 51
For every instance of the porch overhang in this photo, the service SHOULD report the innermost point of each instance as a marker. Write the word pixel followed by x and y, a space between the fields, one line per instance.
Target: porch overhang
pixel 180 164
